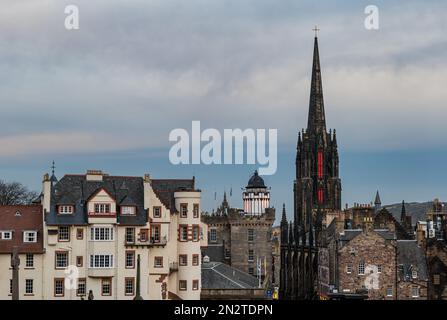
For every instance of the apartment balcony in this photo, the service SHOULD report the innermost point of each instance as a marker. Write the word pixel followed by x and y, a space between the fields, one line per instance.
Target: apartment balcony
pixel 152 242
pixel 173 267
pixel 101 272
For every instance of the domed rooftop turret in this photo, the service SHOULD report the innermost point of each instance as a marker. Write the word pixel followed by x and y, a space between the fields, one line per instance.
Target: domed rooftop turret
pixel 256 181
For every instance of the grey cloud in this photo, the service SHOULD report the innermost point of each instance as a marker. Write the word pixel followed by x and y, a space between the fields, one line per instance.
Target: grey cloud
pixel 146 67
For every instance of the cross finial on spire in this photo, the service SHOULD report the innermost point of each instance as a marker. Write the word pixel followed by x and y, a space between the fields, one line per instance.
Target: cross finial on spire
pixel 53 167
pixel 316 29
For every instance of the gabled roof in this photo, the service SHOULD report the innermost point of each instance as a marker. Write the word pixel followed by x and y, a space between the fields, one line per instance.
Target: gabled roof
pixel 410 256
pixel 350 234
pixel 20 218
pixel 77 190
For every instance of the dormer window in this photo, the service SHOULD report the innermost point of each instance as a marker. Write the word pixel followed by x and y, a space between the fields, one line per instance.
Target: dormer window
pixel 102 208
pixel 65 209
pixel 128 210
pixel 414 274
pixel 29 236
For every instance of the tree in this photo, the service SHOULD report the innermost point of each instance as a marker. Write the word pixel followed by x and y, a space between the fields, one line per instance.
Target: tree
pixel 13 193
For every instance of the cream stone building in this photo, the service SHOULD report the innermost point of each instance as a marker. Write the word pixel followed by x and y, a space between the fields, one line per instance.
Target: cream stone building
pixel 97 227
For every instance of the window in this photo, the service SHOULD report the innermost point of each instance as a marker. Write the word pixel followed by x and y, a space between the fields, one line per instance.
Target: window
pixel 183 260
pixel 158 262
pixel 10 286
pixel 251 270
pixel 79 234
pixel 61 260
pixel 130 235
pixel 251 255
pixel 349 268
pixel 106 287
pixel 128 210
pixel 144 235
pixel 130 259
pixel 155 233
pixel 5 235
pixel 29 236
pixel 29 262
pixel 195 233
pixel 65 209
pixel 437 279
pixel 183 233
pixel 79 261
pixel 195 284
pixel 183 210
pixel 414 274
pixel 63 234
pixel 389 291
pixel 227 254
pixel 251 235
pixel 157 212
pixel 129 286
pixel 101 261
pixel 59 287
pixel 101 234
pixel 213 235
pixel 379 268
pixel 182 284
pixel 361 268
pixel 195 259
pixel 415 292
pixel 102 208
pixel 320 164
pixel 195 210
pixel 81 291
pixel 29 286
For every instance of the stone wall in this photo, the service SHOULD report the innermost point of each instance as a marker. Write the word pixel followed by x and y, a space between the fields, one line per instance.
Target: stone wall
pixel 374 251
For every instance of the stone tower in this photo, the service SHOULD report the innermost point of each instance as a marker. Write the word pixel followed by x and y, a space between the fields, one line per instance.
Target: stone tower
pixel 317 183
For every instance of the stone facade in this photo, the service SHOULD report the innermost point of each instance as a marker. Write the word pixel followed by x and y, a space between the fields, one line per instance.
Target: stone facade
pixel 240 240
pixel 367 262
pixel 316 190
pixel 243 239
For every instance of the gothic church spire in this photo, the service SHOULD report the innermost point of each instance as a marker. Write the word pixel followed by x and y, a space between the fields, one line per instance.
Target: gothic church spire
pixel 316 119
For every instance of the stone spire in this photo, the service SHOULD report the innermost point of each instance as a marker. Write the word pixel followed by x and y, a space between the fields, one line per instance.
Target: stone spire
pixel 377 202
pixel 284 226
pixel 403 213
pixel 316 120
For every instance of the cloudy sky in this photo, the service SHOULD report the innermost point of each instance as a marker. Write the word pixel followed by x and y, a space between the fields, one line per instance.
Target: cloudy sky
pixel 107 95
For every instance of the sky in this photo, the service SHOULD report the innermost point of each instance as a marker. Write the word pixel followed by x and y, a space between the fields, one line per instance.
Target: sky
pixel 106 96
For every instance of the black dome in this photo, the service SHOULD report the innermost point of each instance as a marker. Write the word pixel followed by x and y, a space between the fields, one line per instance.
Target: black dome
pixel 256 181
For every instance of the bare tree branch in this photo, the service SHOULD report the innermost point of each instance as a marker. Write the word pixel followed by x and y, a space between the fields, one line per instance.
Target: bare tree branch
pixel 13 193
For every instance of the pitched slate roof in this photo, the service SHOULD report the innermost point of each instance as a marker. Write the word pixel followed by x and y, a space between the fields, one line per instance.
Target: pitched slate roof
pixel 165 189
pixel 350 234
pixel 218 275
pixel 20 218
pixel 76 190
pixel 410 256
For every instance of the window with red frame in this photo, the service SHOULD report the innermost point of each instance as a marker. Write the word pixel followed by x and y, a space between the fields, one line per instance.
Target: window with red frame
pixel 155 233
pixel 320 164
pixel 320 195
pixel 144 235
